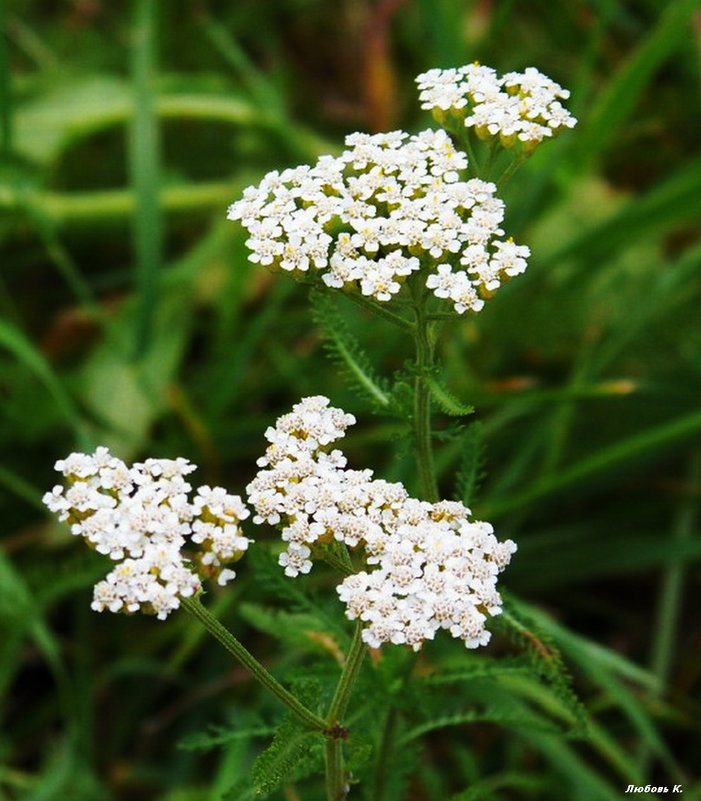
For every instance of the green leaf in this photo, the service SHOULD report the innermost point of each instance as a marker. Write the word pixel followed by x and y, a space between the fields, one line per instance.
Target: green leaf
pixel 631 448
pixel 519 717
pixel 485 668
pixel 216 736
pixel 291 744
pixel 471 470
pixel 298 630
pixel 601 665
pixel 24 351
pixel 544 657
pixel 583 779
pixel 482 789
pixel 52 122
pixel 269 573
pixel 128 396
pixel 666 207
pixel 347 353
pixel 444 398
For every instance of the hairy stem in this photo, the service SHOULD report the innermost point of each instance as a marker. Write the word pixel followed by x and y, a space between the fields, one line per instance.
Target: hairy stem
pixel 422 399
pixel 378 309
pixel 335 732
pixel 236 649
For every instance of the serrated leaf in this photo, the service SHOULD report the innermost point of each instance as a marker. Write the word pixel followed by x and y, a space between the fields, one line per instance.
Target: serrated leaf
pixel 485 669
pixel 305 630
pixel 545 658
pixel 292 742
pixel 520 718
pixel 360 753
pixel 446 401
pixel 216 736
pixel 471 469
pixel 242 790
pixel 269 573
pixel 402 397
pixel 346 352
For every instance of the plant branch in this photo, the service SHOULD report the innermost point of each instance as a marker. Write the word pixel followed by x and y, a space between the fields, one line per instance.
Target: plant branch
pixel 422 399
pixel 236 649
pixel 335 732
pixel 375 308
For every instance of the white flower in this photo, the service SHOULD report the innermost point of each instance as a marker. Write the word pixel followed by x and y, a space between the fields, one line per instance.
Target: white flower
pixel 141 517
pixel 429 566
pixel 518 106
pixel 395 204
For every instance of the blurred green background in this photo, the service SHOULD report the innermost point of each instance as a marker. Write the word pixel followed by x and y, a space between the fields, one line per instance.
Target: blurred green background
pixel 129 316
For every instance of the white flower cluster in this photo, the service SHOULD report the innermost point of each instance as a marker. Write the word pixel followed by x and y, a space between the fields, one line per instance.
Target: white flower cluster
pixel 518 106
pixel 430 566
pixel 436 569
pixel 388 206
pixel 141 517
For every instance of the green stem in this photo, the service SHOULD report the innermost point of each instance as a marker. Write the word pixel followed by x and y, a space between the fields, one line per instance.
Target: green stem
pixel 506 176
pixel 335 732
pixel 236 649
pixel 473 166
pixel 336 557
pixel 375 308
pixel 422 399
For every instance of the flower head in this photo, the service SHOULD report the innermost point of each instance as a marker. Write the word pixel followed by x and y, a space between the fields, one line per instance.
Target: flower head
pixel 519 107
pixel 427 566
pixel 141 517
pixel 389 206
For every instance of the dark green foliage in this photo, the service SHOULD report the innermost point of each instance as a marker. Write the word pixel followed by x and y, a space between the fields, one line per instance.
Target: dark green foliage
pixel 444 399
pixel 305 605
pixel 544 659
pixel 347 354
pixel 472 466
pixel 216 736
pixel 291 746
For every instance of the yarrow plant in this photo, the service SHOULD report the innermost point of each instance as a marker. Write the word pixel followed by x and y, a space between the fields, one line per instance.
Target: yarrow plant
pixel 410 228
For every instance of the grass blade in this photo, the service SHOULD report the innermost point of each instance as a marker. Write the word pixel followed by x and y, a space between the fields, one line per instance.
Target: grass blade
pixel 618 99
pixel 634 447
pixel 144 168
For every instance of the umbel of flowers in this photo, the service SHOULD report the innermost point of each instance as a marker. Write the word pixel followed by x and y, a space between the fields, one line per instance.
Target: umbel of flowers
pixel 389 206
pixel 426 566
pixel 394 205
pixel 142 518
pixel 519 108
